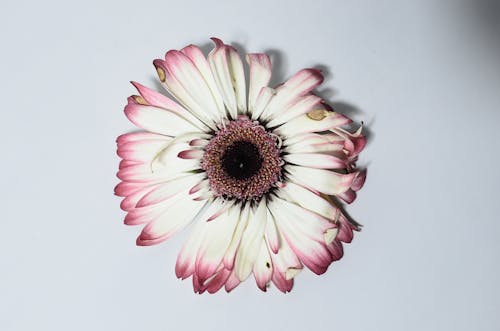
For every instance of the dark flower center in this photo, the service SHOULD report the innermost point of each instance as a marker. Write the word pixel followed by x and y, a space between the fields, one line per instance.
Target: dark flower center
pixel 241 160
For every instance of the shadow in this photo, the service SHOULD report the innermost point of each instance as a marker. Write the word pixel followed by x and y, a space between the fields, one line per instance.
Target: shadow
pixel 280 64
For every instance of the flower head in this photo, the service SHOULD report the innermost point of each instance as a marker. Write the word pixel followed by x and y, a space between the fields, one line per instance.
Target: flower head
pixel 257 172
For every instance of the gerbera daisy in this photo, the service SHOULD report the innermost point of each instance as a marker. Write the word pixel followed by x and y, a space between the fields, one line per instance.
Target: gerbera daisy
pixel 256 169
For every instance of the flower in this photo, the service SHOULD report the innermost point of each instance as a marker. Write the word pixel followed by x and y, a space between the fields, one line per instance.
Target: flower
pixel 258 173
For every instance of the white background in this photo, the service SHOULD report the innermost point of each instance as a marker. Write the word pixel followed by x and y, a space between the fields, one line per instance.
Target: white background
pixel 423 75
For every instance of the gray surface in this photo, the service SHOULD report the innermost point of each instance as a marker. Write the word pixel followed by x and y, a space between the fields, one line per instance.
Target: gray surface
pixel 424 76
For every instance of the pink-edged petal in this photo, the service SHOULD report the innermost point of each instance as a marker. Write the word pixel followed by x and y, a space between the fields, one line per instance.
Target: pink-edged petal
pixel 315 143
pixel 217 238
pixel 336 250
pixel 229 257
pixel 124 189
pixel 285 262
pixel 186 258
pixel 191 154
pixel 304 81
pixel 265 96
pixel 272 235
pixel 250 243
pixel 139 136
pixel 175 217
pixel 141 150
pixel 196 56
pixel 354 142
pixel 306 199
pixel 189 77
pixel 359 180
pixel 153 98
pixel 301 219
pixel 168 189
pixel 232 282
pixel 320 180
pixel 198 142
pixel 260 74
pixel 227 68
pixel 131 200
pixel 159 120
pixel 263 267
pixel 311 160
pixel 348 196
pixel 346 228
pixel 182 94
pixel 315 123
pixel 288 94
pixel 149 213
pixel 302 105
pixel 305 237
pixel 217 281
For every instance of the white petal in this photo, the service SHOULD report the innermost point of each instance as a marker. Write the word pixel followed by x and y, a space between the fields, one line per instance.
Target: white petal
pixel 290 92
pixel 305 123
pixel 320 180
pixel 186 259
pixel 250 242
pixel 305 237
pixel 260 74
pixel 272 235
pixel 263 266
pixel 177 214
pixel 198 58
pixel 159 120
pixel 301 106
pixel 235 242
pixel 159 100
pixel 218 236
pixel 182 93
pixel 265 96
pixel 314 143
pixel 166 190
pixel 300 219
pixel 307 199
pixel 227 68
pixel 312 160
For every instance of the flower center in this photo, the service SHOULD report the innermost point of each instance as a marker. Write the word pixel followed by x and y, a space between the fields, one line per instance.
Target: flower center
pixel 242 160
